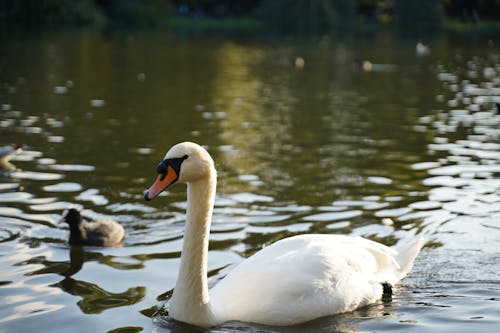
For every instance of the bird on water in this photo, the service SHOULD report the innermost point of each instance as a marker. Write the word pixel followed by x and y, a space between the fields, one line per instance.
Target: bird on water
pixel 103 232
pixel 291 281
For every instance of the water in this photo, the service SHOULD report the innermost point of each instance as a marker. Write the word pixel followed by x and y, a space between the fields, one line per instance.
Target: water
pixel 410 147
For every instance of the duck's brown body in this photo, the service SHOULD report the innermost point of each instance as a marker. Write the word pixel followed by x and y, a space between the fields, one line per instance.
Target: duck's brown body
pixel 105 232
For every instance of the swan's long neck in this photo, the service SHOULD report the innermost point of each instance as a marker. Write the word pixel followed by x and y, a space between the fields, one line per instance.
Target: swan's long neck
pixel 190 301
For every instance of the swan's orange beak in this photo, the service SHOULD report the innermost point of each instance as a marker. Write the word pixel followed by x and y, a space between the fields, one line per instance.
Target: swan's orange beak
pixel 161 183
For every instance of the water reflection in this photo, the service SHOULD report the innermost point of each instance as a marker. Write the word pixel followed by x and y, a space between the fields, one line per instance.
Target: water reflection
pixel 465 180
pixel 385 154
pixel 340 323
pixel 75 264
pixel 95 299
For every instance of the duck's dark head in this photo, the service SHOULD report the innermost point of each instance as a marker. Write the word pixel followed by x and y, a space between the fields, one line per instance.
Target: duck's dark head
pixel 72 217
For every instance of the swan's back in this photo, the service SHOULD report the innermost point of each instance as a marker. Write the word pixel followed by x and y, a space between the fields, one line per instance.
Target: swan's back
pixel 309 276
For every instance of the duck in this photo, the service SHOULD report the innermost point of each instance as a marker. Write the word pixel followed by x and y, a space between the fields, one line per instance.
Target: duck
pixel 103 232
pixel 368 66
pixel 294 280
pixel 6 154
pixel 298 62
pixel 421 49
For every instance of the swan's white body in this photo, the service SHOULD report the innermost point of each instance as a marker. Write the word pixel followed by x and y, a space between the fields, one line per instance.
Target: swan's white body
pixel 305 277
pixel 294 280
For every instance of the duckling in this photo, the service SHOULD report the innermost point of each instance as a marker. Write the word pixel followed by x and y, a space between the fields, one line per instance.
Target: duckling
pixel 104 232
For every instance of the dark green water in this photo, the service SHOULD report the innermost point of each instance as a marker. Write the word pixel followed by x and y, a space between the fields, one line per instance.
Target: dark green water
pixel 327 148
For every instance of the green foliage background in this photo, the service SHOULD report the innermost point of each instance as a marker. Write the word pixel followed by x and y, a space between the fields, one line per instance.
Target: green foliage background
pixel 289 15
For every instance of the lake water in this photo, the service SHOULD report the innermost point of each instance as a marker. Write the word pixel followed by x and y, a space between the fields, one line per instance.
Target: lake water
pixel 408 146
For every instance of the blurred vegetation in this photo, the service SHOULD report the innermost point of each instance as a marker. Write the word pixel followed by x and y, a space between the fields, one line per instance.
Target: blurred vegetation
pixel 418 15
pixel 126 13
pixel 94 13
pixel 305 15
pixel 32 13
pixel 414 16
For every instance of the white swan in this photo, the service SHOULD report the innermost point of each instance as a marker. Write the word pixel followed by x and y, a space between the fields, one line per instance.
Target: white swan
pixel 294 280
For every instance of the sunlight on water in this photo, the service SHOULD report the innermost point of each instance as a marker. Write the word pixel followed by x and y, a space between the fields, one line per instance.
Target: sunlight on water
pixel 34 175
pixel 63 187
pixel 329 148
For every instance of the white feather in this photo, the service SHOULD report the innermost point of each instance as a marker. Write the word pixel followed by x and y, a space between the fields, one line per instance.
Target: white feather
pixel 305 277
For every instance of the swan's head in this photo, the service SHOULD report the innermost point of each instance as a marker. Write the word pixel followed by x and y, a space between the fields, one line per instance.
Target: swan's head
pixel 185 162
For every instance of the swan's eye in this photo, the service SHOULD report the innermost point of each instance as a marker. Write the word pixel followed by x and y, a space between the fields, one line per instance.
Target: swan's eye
pixel 174 163
pixel 161 169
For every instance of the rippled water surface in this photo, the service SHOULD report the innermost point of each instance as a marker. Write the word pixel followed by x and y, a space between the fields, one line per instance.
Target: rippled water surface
pixel 410 147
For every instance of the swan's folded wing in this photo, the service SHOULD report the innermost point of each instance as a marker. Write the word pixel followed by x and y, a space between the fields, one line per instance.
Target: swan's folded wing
pixel 302 278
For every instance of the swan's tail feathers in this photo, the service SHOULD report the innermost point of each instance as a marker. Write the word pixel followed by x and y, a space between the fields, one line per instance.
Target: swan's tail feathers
pixel 407 252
